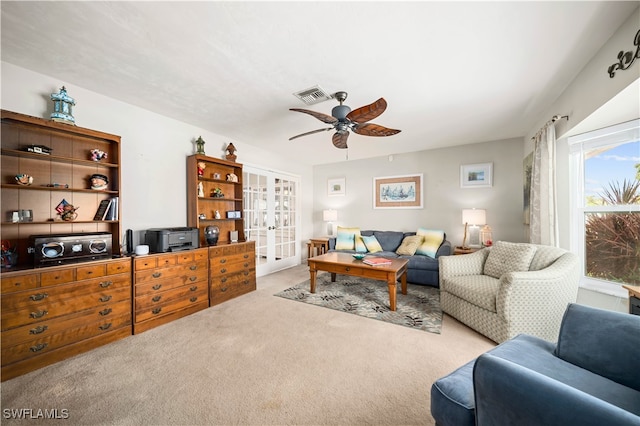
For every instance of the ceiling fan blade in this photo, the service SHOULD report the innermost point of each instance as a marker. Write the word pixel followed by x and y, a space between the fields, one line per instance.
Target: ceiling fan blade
pixel 368 112
pixel 311 132
pixel 339 139
pixel 320 116
pixel 371 129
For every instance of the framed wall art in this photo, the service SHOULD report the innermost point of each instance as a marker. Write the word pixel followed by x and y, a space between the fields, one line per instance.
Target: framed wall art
pixel 336 187
pixel 476 175
pixel 397 192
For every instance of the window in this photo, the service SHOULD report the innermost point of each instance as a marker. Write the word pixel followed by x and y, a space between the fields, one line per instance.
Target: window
pixel 605 215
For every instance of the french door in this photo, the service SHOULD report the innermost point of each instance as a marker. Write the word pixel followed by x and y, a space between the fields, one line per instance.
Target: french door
pixel 271 218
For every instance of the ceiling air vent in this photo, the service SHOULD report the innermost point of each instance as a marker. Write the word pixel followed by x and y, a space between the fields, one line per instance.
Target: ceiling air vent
pixel 313 95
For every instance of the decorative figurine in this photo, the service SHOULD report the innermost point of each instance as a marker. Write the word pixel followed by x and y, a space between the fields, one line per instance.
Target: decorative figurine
pixel 99 181
pixel 230 152
pixel 201 167
pixel 23 179
pixel 231 177
pixel 9 257
pixel 202 216
pixel 200 190
pixel 67 211
pixel 62 107
pixel 97 155
pixel 200 145
pixel 216 214
pixel 217 193
pixel 211 234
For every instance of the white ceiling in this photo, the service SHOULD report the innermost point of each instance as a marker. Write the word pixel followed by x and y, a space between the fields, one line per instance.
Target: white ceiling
pixel 452 73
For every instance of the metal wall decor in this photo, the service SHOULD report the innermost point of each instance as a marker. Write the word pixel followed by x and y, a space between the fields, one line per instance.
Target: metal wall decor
pixel 626 59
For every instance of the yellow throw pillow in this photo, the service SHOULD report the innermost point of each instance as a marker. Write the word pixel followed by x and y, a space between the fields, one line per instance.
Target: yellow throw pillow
pixel 345 239
pixel 409 245
pixel 360 247
pixel 372 244
pixel 432 239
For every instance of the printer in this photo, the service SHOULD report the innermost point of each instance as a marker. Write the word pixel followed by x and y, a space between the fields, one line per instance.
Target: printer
pixel 162 240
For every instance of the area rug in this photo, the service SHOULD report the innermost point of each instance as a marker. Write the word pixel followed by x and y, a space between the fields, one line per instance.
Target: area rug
pixel 418 309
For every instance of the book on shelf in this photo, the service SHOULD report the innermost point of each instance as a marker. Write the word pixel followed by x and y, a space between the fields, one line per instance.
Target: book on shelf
pixel 102 210
pixel 376 261
pixel 112 211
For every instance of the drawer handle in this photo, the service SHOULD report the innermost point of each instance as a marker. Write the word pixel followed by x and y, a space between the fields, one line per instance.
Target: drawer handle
pixel 157 298
pixel 39 329
pixel 193 299
pixel 347 269
pixel 246 282
pixel 105 284
pixel 38 347
pixel 246 256
pixel 105 298
pixel 223 260
pixel 38 296
pixel 245 273
pixel 156 274
pixel 157 287
pixel 193 267
pixel 223 279
pixel 192 279
pixel 194 288
pixel 223 289
pixel 89 272
pixel 105 311
pixel 156 311
pixel 38 314
pixel 105 326
pixel 223 270
pixel 246 265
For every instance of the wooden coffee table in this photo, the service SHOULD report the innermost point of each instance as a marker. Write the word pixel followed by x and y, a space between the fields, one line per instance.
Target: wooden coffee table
pixel 346 264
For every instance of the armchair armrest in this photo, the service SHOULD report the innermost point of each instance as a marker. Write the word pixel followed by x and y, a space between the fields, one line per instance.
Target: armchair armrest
pixel 509 394
pixel 466 264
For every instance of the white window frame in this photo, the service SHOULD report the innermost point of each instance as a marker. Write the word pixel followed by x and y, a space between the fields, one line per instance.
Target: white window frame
pixel 578 145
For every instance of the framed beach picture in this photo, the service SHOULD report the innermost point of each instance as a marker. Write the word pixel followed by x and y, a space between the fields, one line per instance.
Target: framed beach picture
pixel 336 186
pixel 476 175
pixel 397 192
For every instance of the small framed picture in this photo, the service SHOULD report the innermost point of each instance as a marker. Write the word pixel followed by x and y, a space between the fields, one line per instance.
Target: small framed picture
pixel 476 175
pixel 216 175
pixel 336 187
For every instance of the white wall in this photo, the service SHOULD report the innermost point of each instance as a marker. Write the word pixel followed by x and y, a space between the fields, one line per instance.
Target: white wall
pixel 154 149
pixel 587 93
pixel 443 197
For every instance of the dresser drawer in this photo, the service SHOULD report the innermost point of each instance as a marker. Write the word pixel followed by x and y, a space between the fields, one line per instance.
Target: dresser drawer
pixel 160 274
pixel 192 298
pixel 159 298
pixel 79 331
pixel 160 285
pixel 20 282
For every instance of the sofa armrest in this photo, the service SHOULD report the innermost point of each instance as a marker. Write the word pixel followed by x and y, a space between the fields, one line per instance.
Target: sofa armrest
pixel 444 249
pixel 509 394
pixel 332 243
pixel 466 264
pixel 603 342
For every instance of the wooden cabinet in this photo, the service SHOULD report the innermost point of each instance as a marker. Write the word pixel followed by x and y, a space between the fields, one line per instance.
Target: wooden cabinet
pixel 53 313
pixel 232 271
pixel 169 286
pixel 209 190
pixel 64 173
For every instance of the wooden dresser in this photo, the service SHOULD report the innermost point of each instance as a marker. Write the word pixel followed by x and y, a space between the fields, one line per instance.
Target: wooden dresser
pixel 232 271
pixel 53 313
pixel 169 286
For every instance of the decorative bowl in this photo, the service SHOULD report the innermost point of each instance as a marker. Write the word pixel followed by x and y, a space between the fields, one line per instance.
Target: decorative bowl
pixel 23 179
pixel 359 256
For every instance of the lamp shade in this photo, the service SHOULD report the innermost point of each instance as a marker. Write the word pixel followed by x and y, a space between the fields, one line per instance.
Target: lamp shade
pixel 330 215
pixel 474 216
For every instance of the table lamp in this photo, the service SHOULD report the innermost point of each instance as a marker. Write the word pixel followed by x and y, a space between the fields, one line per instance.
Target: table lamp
pixel 330 216
pixel 473 217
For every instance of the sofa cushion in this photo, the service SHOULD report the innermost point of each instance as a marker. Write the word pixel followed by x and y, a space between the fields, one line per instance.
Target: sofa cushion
pixel 422 262
pixel 432 238
pixel 373 246
pixel 346 238
pixel 389 240
pixel 359 242
pixel 409 245
pixel 508 257
pixel 452 398
pixel 479 290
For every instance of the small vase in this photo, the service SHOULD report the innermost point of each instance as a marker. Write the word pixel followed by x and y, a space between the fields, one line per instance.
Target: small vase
pixel 211 234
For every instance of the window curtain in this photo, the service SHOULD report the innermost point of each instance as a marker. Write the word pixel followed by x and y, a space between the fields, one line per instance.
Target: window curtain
pixel 543 205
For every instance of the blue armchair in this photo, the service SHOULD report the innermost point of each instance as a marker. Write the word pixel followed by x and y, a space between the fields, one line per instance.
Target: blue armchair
pixel 590 377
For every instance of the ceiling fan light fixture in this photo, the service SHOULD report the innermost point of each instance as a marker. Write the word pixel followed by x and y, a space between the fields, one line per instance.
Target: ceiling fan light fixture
pixel 313 95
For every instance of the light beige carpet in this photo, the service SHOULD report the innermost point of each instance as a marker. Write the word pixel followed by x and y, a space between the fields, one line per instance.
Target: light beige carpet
pixel 255 360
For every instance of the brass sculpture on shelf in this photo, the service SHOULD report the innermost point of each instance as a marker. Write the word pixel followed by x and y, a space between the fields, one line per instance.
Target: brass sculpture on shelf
pixel 231 156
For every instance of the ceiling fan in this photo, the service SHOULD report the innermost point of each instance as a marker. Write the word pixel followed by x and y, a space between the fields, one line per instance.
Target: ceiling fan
pixel 343 119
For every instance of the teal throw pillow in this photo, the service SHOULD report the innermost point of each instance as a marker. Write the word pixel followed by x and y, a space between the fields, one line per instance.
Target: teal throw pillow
pixel 372 243
pixel 360 247
pixel 432 239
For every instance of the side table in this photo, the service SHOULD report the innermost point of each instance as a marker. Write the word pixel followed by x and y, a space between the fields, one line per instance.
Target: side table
pixel 320 244
pixel 634 298
pixel 460 250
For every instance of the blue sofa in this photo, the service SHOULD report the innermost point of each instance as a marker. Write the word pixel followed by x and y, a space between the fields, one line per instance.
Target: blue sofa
pixel 420 270
pixel 588 378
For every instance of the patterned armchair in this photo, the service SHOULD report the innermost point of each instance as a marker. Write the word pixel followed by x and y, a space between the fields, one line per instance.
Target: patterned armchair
pixel 510 288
